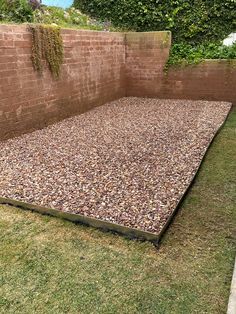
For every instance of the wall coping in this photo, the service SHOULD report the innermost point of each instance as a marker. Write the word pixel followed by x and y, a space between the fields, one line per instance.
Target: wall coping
pixel 66 30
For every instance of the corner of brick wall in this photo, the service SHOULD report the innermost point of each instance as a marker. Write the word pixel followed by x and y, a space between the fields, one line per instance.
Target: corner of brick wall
pixel 146 56
pixel 98 67
pixel 92 74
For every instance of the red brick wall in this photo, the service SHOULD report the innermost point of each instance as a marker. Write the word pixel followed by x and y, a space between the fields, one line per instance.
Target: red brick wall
pixel 210 80
pixel 92 74
pixel 146 56
pixel 98 67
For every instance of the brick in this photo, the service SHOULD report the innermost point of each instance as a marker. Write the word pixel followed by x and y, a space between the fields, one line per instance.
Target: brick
pixel 6 43
pixel 7 73
pixel 7 51
pixel 23 51
pixel 23 44
pixel 97 68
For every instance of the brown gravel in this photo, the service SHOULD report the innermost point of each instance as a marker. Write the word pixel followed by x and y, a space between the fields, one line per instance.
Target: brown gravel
pixel 127 162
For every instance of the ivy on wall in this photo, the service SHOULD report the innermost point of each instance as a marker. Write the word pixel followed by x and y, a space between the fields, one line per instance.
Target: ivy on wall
pixel 47 46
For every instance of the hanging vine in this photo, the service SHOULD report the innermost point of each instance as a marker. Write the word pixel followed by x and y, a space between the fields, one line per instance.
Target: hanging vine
pixel 47 46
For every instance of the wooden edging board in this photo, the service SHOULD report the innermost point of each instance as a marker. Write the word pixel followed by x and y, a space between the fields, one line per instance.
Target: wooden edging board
pixel 132 233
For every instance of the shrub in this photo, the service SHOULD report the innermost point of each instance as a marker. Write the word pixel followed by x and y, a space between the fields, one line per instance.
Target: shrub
pixel 184 53
pixel 59 16
pixel 189 20
pixel 70 17
pixel 17 11
pixel 197 26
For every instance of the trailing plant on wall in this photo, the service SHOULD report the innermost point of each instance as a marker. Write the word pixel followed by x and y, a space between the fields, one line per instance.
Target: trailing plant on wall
pixel 47 46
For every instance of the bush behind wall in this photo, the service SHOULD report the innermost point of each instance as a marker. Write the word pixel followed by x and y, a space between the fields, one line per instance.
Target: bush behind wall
pixel 17 11
pixel 192 21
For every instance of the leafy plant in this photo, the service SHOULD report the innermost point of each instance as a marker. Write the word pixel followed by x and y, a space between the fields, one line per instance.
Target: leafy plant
pixel 197 26
pixel 70 17
pixel 21 11
pixel 18 11
pixel 189 20
pixel 184 53
pixel 59 16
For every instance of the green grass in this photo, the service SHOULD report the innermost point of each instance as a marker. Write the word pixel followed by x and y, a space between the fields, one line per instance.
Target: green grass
pixel 53 266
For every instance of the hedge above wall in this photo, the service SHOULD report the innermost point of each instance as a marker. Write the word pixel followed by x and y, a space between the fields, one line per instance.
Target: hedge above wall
pixel 189 20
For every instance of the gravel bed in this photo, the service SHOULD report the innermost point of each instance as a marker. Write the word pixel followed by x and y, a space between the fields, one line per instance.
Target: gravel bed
pixel 127 162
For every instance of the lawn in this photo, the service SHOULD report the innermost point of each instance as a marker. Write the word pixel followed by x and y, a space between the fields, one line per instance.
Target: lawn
pixel 52 266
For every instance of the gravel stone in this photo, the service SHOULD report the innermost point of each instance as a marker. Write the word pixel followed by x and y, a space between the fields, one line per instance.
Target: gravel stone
pixel 127 162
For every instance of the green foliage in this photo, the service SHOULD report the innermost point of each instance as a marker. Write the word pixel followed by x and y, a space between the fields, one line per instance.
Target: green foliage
pixel 20 11
pixel 71 18
pixel 184 53
pixel 189 20
pixel 197 26
pixel 47 45
pixel 59 16
pixel 17 11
